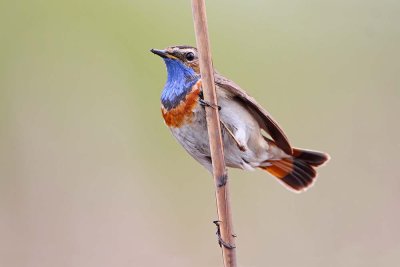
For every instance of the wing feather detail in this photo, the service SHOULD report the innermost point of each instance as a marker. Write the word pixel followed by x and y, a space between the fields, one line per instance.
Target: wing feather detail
pixel 263 118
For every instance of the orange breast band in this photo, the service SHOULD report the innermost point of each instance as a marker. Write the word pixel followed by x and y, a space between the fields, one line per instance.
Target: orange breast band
pixel 182 113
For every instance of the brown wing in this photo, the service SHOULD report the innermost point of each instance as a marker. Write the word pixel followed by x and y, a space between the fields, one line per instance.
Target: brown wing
pixel 264 119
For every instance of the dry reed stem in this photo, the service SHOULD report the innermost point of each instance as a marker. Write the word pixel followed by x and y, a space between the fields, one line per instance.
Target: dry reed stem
pixel 214 134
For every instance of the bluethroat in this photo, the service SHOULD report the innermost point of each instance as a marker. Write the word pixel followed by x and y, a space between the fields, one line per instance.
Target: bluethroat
pixel 242 119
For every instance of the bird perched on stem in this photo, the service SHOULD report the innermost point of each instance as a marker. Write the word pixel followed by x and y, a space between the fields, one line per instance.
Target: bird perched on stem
pixel 251 137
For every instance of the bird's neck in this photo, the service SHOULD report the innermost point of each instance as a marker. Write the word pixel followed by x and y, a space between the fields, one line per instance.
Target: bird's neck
pixel 180 81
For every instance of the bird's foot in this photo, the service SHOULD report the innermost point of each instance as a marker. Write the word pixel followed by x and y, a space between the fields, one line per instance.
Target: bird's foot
pixel 221 242
pixel 207 104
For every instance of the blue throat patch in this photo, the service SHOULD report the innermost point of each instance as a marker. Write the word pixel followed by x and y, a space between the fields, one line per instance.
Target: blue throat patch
pixel 179 83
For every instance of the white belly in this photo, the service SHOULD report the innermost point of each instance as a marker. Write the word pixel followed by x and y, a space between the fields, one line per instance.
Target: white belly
pixel 194 137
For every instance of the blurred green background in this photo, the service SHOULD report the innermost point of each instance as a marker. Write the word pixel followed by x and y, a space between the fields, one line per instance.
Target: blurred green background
pixel 90 175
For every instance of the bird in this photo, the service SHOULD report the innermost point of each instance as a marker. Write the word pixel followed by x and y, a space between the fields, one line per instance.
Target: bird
pixel 252 139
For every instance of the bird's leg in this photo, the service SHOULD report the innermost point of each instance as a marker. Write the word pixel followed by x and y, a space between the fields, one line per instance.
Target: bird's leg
pixel 220 241
pixel 205 103
pixel 239 145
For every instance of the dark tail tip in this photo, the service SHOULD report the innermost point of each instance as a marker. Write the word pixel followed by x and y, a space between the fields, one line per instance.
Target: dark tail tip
pixel 297 172
pixel 314 158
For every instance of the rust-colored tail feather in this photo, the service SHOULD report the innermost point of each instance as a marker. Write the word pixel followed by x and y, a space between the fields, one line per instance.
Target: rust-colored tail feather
pixel 298 171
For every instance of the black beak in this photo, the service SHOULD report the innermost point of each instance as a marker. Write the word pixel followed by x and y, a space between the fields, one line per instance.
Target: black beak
pixel 161 53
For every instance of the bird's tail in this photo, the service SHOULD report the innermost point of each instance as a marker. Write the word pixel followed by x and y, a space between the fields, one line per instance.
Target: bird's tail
pixel 298 170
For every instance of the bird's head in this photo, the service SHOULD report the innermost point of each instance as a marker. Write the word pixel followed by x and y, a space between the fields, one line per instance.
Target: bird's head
pixel 183 73
pixel 187 55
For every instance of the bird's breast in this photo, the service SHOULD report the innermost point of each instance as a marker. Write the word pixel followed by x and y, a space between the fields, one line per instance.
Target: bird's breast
pixel 183 112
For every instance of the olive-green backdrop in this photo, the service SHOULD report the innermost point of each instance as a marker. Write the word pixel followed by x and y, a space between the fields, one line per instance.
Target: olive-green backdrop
pixel 91 177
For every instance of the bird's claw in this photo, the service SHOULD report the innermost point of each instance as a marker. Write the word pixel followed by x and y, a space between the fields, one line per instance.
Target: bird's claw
pixel 221 242
pixel 207 104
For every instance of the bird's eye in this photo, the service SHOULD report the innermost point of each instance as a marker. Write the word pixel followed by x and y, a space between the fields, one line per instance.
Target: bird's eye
pixel 189 56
